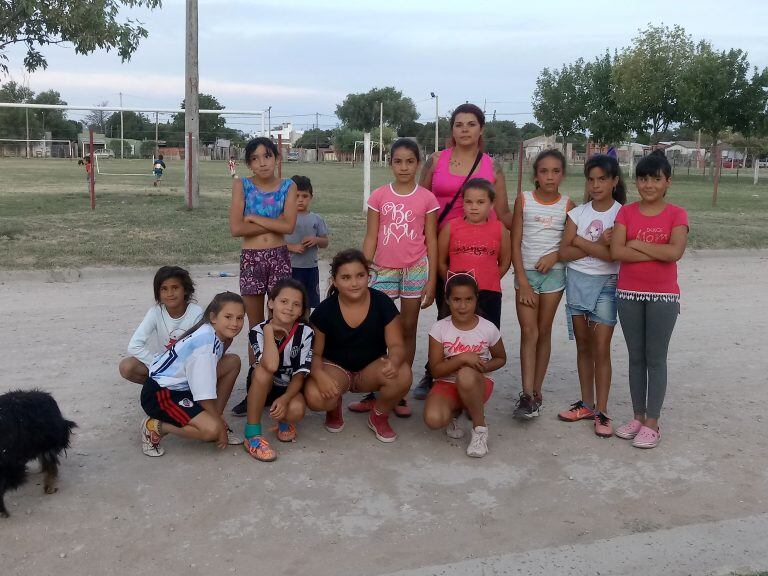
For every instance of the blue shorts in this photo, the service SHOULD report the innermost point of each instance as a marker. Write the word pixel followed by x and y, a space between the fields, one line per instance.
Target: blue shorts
pixel 552 281
pixel 604 310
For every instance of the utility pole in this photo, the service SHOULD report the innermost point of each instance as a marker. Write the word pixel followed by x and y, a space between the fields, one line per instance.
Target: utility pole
pixel 317 137
pixel 269 122
pixel 381 133
pixel 121 126
pixel 192 109
pixel 157 143
pixel 437 118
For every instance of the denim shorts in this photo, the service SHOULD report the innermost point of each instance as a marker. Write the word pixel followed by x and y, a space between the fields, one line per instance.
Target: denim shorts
pixel 552 281
pixel 604 310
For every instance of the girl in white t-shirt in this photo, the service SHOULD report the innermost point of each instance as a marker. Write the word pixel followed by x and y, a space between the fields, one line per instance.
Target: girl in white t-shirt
pixel 463 349
pixel 173 314
pixel 591 287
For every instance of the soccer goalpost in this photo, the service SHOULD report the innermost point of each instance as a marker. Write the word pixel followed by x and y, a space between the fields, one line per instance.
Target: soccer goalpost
pixel 100 173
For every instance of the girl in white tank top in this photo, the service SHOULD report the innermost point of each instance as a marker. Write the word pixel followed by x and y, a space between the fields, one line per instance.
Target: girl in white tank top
pixel 538 225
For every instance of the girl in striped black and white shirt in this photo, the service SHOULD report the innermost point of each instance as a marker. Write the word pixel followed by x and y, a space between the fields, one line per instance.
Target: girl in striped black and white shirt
pixel 282 348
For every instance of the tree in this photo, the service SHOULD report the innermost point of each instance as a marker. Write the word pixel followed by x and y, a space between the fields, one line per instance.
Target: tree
pixel 135 126
pixel 606 121
pixel 427 134
pixel 85 24
pixel 410 129
pixel 361 111
pixel 53 121
pixel 315 137
pixel 97 118
pixel 501 136
pixel 530 130
pixel 13 120
pixel 344 139
pixel 559 99
pixel 211 125
pixel 648 78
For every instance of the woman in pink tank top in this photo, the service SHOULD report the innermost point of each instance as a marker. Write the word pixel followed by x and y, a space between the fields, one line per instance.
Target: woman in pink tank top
pixel 445 171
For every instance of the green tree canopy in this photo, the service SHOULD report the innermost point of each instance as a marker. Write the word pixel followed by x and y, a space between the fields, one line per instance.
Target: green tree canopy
pixel 13 120
pixel 315 137
pixel 501 136
pixel 85 24
pixel 135 126
pixel 648 78
pixel 361 111
pixel 718 93
pixel 211 125
pixel 559 99
pixel 344 138
pixel 607 122
pixel 530 130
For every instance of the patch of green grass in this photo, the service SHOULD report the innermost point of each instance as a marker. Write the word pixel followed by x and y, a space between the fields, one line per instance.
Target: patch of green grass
pixel 46 221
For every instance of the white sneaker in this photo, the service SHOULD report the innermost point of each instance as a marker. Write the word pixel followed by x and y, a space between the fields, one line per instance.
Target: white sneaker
pixel 478 446
pixel 232 438
pixel 453 430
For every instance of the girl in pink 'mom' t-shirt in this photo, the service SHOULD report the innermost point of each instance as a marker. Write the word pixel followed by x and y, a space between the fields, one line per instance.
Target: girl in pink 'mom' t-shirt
pixel 649 238
pixel 401 243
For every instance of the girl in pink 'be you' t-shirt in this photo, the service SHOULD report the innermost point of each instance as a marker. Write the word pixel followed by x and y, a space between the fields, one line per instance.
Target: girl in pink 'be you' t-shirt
pixel 649 238
pixel 401 243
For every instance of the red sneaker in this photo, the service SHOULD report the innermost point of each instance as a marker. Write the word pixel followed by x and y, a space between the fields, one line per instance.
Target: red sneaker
pixel 577 411
pixel 379 423
pixel 364 405
pixel 402 410
pixel 334 420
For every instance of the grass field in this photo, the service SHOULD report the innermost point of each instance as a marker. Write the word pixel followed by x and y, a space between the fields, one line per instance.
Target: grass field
pixel 46 221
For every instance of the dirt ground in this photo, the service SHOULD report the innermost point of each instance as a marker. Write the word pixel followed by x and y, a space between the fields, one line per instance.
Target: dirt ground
pixel 550 497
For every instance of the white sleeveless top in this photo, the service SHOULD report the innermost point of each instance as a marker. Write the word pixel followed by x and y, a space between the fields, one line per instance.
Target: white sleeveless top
pixel 543 226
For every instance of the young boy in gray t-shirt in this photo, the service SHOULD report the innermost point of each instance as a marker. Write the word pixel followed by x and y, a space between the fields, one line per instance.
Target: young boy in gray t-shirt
pixel 310 232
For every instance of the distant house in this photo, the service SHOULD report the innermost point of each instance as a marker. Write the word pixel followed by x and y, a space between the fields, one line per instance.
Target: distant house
pixel 83 142
pixel 287 133
pixel 683 149
pixel 534 145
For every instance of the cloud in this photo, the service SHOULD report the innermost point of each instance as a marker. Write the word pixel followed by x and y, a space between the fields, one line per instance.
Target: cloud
pixel 164 86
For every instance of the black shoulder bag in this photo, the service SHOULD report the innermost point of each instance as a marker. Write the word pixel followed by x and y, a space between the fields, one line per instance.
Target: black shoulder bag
pixel 450 204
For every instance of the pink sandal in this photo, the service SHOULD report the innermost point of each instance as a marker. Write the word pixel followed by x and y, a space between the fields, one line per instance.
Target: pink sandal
pixel 647 438
pixel 629 430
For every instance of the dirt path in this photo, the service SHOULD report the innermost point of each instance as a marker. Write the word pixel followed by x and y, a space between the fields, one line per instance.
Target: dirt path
pixel 347 504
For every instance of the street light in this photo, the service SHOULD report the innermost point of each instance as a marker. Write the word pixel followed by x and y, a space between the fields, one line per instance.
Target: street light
pixel 433 95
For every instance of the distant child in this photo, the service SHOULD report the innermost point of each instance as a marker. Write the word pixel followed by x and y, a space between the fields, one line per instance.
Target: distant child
pixel 157 169
pixel 310 233
pixel 463 349
pixel 590 287
pixel 282 346
pixel 163 324
pixel 478 245
pixel 649 238
pixel 538 225
pixel 263 210
pixel 190 383
pixel 401 242
pixel 232 164
pixel 358 347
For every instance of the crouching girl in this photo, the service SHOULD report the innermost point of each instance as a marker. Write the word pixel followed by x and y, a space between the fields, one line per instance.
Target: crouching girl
pixel 190 383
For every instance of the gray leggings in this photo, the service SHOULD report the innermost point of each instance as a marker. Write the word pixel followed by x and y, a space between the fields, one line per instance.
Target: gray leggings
pixel 647 328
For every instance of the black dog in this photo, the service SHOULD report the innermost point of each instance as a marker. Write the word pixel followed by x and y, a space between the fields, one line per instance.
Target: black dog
pixel 31 426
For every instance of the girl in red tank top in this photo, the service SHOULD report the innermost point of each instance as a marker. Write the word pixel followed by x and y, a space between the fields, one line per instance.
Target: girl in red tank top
pixel 478 245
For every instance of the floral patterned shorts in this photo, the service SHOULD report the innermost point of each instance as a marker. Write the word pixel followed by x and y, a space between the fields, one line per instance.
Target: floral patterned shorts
pixel 261 269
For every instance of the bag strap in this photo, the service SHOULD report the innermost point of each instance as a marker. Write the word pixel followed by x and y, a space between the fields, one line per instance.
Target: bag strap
pixel 449 206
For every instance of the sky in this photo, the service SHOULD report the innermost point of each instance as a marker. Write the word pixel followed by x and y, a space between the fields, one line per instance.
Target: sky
pixel 303 57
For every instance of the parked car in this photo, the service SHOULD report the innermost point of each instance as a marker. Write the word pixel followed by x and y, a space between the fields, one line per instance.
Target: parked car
pixel 732 163
pixel 293 156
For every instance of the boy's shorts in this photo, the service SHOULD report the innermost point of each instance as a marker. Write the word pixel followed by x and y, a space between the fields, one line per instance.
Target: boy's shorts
pixel 449 390
pixel 175 407
pixel 552 281
pixel 401 282
pixel 261 269
pixel 310 278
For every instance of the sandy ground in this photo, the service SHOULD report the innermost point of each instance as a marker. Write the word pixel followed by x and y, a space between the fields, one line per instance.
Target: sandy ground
pixel 549 498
